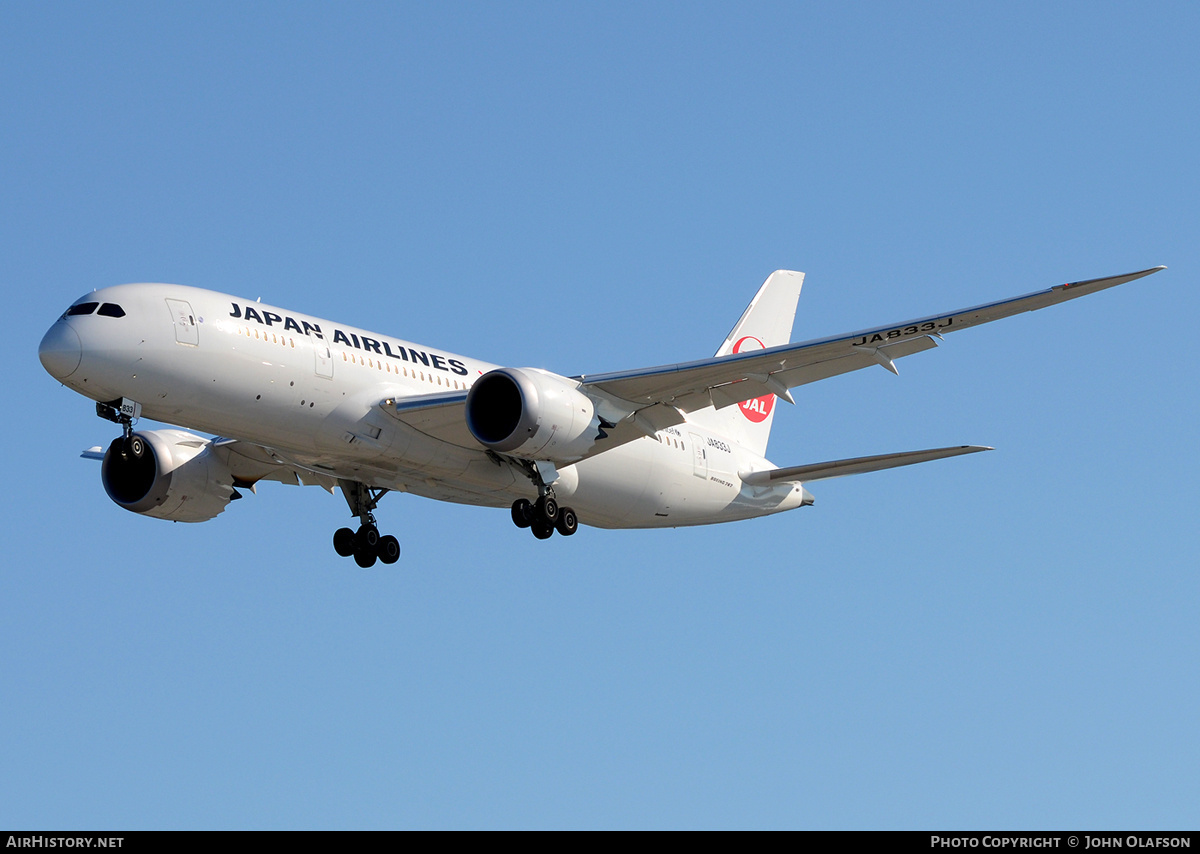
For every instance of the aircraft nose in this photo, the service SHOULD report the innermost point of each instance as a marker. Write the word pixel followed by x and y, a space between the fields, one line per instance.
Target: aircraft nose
pixel 60 351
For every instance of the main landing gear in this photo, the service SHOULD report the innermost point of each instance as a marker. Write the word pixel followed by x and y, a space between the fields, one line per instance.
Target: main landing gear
pixel 365 545
pixel 543 517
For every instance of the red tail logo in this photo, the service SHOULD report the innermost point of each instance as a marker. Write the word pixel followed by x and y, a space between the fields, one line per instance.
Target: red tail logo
pixel 756 409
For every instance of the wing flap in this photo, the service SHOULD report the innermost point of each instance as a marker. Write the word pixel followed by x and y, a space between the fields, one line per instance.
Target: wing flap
pixel 837 363
pixel 856 465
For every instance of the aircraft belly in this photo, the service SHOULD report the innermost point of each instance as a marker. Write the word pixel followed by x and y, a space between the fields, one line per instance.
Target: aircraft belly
pixel 453 474
pixel 667 484
pixel 612 490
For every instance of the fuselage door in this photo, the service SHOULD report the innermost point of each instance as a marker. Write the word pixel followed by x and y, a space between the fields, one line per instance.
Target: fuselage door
pixel 186 329
pixel 324 358
pixel 699 457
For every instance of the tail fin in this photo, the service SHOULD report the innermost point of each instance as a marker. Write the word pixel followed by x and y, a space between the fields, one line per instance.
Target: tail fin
pixel 766 322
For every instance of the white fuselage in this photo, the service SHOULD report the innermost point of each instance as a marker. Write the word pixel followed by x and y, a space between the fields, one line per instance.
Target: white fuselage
pixel 310 390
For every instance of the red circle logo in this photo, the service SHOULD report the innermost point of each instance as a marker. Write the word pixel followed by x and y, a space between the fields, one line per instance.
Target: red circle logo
pixel 757 408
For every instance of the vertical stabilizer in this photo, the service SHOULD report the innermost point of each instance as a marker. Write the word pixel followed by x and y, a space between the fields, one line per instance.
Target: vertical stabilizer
pixel 766 322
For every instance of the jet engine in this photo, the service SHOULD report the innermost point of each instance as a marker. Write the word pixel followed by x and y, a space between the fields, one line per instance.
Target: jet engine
pixel 167 474
pixel 532 414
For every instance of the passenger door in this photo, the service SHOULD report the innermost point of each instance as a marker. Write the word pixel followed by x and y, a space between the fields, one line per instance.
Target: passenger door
pixel 186 329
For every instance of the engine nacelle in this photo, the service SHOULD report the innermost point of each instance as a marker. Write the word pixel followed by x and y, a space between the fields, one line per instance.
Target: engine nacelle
pixel 532 414
pixel 167 474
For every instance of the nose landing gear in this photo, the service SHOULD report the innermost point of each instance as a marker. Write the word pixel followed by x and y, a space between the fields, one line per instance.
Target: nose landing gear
pixel 124 412
pixel 365 545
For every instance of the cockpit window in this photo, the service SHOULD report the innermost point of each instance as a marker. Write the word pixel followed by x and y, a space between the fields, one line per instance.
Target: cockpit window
pixel 111 309
pixel 82 308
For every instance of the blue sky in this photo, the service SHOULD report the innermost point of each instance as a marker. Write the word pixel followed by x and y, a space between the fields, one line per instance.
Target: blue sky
pixel 1003 640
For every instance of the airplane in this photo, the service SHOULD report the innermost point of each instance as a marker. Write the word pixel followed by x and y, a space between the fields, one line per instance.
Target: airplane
pixel 301 400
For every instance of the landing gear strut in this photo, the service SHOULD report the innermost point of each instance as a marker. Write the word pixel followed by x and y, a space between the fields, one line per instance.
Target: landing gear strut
pixel 543 517
pixel 365 545
pixel 123 412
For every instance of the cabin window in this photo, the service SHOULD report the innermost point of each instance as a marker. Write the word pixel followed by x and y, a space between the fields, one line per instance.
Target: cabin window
pixel 81 309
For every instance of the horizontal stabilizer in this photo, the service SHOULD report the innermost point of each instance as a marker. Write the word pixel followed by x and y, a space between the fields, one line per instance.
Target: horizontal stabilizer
pixel 857 465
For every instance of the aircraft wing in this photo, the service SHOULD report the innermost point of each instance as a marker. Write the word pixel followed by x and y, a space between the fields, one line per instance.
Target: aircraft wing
pixel 729 380
pixel 250 463
pixel 639 402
